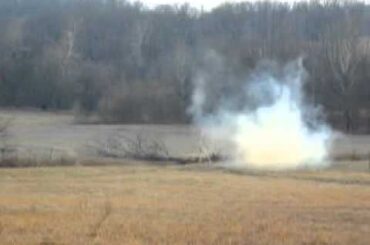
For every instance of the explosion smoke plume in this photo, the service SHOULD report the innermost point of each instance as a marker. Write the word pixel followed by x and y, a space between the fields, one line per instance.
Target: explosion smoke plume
pixel 275 129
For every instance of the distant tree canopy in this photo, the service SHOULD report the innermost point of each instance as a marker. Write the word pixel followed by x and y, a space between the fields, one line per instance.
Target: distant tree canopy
pixel 127 63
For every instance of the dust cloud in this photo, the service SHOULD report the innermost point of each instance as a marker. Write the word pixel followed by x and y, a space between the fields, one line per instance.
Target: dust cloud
pixel 275 129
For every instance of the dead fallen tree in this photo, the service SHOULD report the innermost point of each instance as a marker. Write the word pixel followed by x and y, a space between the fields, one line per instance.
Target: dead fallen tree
pixel 145 148
pixel 183 160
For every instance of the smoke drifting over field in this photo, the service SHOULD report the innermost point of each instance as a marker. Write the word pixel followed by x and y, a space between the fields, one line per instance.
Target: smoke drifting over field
pixel 274 127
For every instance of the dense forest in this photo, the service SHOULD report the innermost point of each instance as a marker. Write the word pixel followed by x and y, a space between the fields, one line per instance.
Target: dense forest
pixel 127 63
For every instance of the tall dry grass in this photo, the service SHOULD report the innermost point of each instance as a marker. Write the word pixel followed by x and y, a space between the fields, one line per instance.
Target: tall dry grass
pixel 181 205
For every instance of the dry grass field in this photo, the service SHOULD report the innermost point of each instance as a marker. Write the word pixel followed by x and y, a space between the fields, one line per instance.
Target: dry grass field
pixel 122 202
pixel 147 204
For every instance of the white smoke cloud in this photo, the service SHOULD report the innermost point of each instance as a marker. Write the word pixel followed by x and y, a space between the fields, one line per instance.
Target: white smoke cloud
pixel 274 129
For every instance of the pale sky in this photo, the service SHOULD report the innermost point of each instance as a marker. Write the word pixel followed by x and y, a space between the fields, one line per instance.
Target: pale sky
pixel 206 4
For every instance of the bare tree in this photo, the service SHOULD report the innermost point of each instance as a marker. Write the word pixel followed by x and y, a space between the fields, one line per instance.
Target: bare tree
pixel 345 50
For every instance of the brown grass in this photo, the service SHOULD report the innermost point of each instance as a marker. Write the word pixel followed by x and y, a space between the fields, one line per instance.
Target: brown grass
pixel 181 205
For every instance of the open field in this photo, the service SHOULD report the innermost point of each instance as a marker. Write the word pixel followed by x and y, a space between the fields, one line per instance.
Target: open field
pixel 128 202
pixel 55 135
pixel 142 204
pixel 35 132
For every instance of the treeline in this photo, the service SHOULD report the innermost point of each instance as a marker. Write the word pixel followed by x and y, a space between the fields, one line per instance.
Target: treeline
pixel 127 63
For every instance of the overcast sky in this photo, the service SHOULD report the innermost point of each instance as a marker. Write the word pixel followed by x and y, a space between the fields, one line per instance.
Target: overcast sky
pixel 206 4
